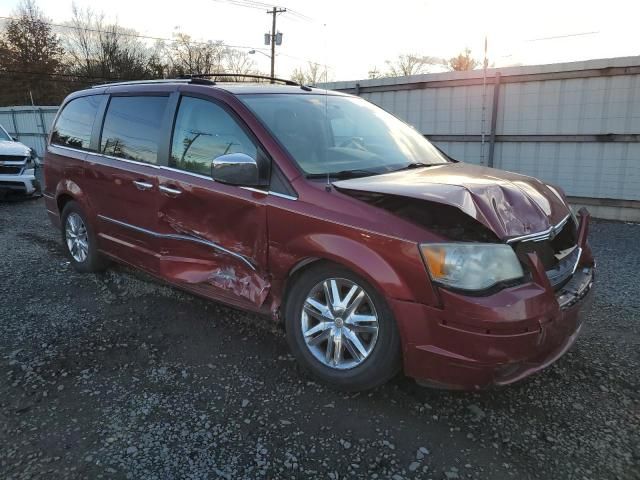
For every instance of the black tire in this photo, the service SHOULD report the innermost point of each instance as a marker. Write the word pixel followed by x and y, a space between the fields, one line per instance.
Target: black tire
pixel 94 262
pixel 384 360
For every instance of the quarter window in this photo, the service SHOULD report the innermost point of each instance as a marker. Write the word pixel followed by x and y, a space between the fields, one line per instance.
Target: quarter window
pixel 132 128
pixel 75 123
pixel 204 131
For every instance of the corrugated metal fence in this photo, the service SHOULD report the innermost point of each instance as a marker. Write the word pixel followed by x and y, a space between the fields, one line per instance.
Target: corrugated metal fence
pixel 576 125
pixel 30 125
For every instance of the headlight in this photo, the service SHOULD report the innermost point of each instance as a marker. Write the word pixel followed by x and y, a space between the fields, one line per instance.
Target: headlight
pixel 471 266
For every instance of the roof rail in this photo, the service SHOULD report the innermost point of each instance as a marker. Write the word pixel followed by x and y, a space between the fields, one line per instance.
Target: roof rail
pixel 223 76
pixel 200 81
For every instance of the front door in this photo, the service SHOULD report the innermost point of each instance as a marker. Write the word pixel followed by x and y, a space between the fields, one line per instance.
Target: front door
pixel 214 236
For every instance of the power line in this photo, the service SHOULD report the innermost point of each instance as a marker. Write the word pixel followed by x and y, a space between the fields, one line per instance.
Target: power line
pixel 53 74
pixel 124 33
pixel 83 80
pixel 562 36
pixel 261 5
pixel 173 40
pixel 301 16
pixel 245 3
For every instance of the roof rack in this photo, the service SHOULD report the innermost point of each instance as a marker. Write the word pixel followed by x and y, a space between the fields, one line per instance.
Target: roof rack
pixel 200 81
pixel 239 75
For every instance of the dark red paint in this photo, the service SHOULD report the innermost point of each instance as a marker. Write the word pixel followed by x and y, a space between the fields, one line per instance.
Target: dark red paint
pixel 448 339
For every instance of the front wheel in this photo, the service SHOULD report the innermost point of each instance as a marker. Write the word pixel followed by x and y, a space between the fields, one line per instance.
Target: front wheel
pixel 341 329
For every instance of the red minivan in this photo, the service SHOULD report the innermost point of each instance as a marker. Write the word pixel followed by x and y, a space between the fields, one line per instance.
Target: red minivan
pixel 378 251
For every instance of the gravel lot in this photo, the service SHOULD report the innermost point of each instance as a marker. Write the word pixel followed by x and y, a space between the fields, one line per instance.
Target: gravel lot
pixel 117 376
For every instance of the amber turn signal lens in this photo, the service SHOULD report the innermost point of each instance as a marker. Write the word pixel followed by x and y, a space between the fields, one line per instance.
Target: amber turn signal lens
pixel 435 260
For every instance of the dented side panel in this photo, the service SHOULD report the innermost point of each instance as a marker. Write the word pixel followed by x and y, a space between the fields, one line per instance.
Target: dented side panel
pixel 214 236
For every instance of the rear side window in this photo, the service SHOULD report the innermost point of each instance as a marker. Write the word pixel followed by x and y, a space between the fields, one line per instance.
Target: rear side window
pixel 204 131
pixel 74 125
pixel 132 128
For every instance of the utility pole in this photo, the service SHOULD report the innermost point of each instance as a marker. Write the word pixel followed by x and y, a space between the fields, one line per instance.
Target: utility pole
pixel 274 11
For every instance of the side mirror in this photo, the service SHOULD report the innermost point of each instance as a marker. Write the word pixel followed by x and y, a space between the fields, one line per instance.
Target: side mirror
pixel 236 169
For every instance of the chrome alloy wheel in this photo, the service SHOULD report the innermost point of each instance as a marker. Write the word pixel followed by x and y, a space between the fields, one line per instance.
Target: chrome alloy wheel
pixel 77 237
pixel 339 323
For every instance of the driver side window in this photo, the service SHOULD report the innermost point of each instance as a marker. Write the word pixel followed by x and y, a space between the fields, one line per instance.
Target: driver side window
pixel 204 131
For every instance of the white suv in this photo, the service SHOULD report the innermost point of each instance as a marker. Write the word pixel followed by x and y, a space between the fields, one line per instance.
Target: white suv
pixel 17 167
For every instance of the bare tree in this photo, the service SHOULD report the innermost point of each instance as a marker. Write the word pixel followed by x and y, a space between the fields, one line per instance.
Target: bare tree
pixel 374 73
pixel 104 50
pixel 157 65
pixel 463 61
pixel 239 61
pixel 29 52
pixel 186 56
pixel 410 64
pixel 312 74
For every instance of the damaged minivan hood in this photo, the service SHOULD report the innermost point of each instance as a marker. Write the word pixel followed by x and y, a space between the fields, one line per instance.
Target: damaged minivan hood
pixel 507 203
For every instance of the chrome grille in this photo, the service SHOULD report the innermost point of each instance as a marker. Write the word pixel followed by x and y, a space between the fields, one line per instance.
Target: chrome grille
pixel 556 248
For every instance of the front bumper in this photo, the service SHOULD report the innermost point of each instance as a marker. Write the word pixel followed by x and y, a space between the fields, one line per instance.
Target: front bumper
pixel 25 183
pixel 474 343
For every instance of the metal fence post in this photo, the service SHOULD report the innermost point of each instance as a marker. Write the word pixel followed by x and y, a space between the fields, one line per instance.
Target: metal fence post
pixel 494 118
pixel 44 128
pixel 15 123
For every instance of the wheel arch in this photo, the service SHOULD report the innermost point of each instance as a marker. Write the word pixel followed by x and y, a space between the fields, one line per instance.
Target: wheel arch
pixel 63 199
pixel 66 191
pixel 354 256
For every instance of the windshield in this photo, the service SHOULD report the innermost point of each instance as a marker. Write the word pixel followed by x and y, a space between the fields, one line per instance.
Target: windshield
pixel 3 134
pixel 345 135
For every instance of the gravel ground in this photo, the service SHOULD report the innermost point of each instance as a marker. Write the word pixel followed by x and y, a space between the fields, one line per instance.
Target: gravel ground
pixel 117 376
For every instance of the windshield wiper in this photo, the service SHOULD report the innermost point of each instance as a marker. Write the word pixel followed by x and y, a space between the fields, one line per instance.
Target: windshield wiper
pixel 413 165
pixel 344 174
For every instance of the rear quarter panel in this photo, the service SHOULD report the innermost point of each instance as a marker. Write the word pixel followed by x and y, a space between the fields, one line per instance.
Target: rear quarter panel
pixel 63 174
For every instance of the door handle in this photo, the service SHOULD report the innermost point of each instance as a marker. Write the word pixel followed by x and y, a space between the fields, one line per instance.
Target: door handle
pixel 142 185
pixel 169 190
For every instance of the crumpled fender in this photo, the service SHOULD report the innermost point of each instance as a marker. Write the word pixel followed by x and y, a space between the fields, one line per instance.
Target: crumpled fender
pixel 387 271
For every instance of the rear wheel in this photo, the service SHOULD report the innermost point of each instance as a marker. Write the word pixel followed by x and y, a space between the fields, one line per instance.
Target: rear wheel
pixel 341 329
pixel 80 241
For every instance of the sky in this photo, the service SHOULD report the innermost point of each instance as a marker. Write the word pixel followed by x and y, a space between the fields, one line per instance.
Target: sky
pixel 353 37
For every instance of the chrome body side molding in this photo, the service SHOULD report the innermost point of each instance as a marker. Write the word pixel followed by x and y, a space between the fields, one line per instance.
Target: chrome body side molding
pixel 176 236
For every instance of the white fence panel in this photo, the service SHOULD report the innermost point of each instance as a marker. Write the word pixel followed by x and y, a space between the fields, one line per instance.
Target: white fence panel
pixel 576 125
pixel 29 125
